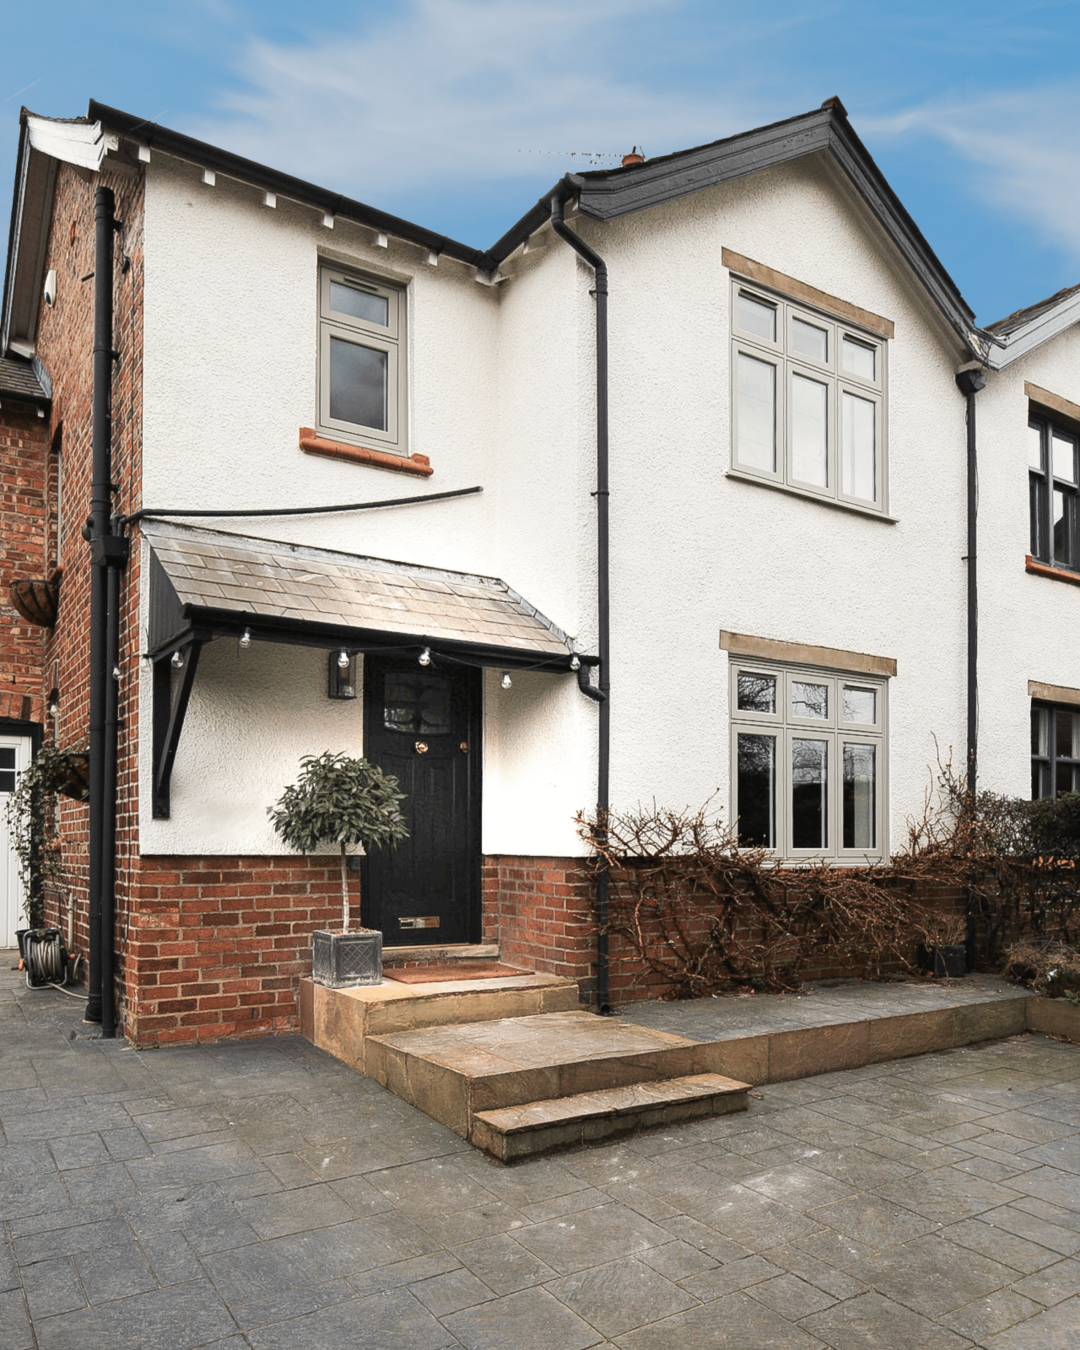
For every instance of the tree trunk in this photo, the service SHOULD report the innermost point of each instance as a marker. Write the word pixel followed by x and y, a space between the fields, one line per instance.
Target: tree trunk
pixel 344 894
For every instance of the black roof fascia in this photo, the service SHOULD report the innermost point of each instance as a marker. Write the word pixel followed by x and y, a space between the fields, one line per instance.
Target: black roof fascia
pixel 605 194
pixel 271 180
pixel 309 633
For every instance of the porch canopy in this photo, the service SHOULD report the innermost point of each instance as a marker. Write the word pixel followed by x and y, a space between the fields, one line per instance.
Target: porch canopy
pixel 206 584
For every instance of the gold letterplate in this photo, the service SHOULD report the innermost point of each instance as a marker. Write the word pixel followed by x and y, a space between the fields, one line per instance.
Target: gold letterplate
pixel 425 921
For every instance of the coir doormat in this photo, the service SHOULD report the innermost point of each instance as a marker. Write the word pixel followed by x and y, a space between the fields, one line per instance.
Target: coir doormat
pixel 452 970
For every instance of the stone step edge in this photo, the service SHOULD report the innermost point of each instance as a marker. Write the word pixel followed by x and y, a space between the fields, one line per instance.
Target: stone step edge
pixel 451 951
pixel 628 1100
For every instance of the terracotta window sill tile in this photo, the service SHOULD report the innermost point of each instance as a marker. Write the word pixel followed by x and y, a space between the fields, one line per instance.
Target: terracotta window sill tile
pixel 1054 573
pixel 312 444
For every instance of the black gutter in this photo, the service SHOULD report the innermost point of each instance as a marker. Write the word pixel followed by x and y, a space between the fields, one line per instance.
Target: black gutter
pixel 108 552
pixel 271 180
pixel 306 633
pixel 603 584
pixel 969 382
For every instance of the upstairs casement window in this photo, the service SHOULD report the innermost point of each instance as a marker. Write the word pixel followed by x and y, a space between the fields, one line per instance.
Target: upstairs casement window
pixel 809 400
pixel 362 360
pixel 1055 750
pixel 1054 488
pixel 809 769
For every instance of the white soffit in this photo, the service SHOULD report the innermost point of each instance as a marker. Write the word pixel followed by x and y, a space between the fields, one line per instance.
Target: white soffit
pixel 80 143
pixel 1003 351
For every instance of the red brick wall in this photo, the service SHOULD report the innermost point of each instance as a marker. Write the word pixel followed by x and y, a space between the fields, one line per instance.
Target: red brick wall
pixel 214 947
pixel 65 345
pixel 539 910
pixel 24 466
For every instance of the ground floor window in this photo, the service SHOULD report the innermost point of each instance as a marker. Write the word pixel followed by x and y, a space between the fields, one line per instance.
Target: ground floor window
pixel 808 761
pixel 1055 750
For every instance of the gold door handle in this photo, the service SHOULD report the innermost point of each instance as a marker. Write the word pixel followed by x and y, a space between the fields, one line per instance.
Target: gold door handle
pixel 421 747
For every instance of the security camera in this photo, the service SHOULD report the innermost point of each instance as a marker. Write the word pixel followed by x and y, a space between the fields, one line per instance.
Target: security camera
pixel 50 287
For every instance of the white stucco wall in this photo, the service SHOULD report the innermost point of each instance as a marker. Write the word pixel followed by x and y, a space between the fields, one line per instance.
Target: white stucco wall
pixel 230 376
pixel 695 551
pixel 502 387
pixel 1029 626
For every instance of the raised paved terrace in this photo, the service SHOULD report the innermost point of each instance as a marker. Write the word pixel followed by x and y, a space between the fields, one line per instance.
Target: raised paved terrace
pixel 263 1194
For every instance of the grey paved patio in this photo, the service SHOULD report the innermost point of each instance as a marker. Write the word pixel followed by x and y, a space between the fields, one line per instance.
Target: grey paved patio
pixel 262 1194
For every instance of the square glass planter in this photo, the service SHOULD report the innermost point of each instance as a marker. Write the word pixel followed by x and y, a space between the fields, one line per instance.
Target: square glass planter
pixel 342 960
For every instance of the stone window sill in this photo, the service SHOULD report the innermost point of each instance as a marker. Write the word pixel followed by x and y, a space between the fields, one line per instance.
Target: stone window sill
pixel 313 444
pixel 1054 573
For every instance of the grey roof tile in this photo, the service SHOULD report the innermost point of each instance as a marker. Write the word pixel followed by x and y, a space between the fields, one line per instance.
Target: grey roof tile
pixel 215 570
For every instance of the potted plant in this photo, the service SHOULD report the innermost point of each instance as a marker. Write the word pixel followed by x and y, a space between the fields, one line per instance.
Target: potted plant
pixel 945 952
pixel 348 802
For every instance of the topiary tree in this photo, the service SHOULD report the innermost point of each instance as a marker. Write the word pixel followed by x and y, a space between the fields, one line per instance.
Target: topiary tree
pixel 344 801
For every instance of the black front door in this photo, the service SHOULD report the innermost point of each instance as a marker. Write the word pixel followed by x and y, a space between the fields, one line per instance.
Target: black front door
pixel 422 724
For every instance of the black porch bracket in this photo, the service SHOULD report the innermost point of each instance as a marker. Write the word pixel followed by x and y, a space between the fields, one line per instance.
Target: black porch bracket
pixel 170 709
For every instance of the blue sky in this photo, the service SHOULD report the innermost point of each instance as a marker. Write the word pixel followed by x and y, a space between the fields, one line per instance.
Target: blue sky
pixel 459 113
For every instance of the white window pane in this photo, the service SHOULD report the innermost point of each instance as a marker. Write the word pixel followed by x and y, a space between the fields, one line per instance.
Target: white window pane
pixel 809 431
pixel 1064 457
pixel 860 705
pixel 360 304
pixel 809 340
pixel 858 445
pixel 757 693
pixel 757 791
pixel 859 359
pixel 809 700
pixel 860 788
pixel 809 794
pixel 757 318
pixel 757 413
pixel 358 384
pixel 1034 448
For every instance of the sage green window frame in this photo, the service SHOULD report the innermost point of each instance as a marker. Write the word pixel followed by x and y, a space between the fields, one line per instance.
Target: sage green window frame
pixel 785 725
pixel 388 338
pixel 788 364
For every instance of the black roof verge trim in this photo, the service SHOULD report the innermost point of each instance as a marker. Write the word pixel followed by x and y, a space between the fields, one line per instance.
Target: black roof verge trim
pixel 606 194
pixel 271 180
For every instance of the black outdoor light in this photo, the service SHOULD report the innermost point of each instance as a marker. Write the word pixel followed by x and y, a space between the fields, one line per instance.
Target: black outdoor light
pixel 341 675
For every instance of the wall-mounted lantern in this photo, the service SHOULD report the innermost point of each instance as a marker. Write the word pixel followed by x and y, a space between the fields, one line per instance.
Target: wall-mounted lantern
pixel 341 675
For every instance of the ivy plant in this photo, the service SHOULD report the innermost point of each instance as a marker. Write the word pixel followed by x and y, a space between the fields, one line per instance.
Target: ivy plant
pixel 31 821
pixel 344 801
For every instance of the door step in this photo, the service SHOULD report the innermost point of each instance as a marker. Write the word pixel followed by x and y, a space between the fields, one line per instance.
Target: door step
pixel 449 951
pixel 561 1122
pixel 466 1075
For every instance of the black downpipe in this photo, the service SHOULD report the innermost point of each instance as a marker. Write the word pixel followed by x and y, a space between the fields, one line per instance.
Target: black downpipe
pixel 99 527
pixel 108 804
pixel 969 382
pixel 603 588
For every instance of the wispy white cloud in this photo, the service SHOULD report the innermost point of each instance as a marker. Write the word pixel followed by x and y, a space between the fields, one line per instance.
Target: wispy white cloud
pixel 1023 149
pixel 437 89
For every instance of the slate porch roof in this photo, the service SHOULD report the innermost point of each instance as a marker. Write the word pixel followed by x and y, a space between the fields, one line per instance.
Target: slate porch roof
pixel 237 577
pixel 19 381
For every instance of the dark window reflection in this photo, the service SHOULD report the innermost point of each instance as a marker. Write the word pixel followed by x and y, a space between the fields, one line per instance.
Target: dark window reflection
pixel 809 794
pixel 757 791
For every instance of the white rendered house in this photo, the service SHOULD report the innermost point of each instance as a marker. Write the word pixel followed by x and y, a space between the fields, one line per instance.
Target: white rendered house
pixel 780 619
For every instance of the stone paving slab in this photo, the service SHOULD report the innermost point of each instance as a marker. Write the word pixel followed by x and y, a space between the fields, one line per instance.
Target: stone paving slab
pixel 264 1194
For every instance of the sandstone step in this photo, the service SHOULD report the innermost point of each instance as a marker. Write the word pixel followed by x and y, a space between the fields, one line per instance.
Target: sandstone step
pixel 521 1131
pixel 340 1021
pixel 453 951
pixel 453 1072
